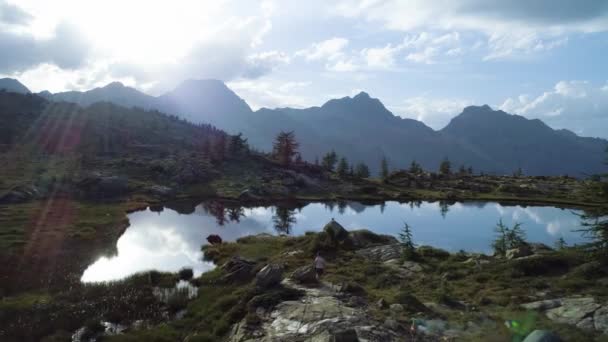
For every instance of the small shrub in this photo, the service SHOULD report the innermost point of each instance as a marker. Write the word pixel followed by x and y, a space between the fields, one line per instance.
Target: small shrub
pixel 408 249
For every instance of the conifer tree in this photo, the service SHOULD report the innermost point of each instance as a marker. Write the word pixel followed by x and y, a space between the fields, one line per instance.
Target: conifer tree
pixel 384 169
pixel 342 167
pixel 362 171
pixel 285 147
pixel 329 161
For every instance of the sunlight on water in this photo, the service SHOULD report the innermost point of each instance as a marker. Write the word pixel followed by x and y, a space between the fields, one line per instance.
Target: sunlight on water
pixel 168 241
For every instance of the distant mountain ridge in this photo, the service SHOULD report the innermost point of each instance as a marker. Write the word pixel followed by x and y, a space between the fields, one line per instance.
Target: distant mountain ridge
pixel 362 129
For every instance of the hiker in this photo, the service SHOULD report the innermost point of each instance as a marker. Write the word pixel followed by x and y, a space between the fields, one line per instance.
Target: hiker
pixel 319 265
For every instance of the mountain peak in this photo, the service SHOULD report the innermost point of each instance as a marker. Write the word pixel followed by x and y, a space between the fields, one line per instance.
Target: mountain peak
pixel 115 85
pixel 362 95
pixel 13 85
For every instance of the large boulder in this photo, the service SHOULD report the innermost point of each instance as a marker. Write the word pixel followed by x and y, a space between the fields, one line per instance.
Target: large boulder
pixel 305 275
pixel 542 336
pixel 335 231
pixel 237 269
pixel 364 238
pixel 270 275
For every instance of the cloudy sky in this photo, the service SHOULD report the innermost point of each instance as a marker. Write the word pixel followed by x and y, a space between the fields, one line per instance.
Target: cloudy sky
pixel 424 59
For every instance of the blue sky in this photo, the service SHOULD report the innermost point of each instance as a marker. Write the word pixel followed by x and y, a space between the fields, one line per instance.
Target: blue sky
pixel 423 59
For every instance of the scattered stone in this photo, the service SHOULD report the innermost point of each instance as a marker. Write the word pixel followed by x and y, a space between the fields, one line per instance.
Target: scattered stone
pixel 542 336
pixel 270 275
pixel 347 335
pixel 305 275
pixel 583 312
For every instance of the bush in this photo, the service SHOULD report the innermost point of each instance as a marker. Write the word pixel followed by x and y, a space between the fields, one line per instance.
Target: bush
pixel 186 274
pixel 508 238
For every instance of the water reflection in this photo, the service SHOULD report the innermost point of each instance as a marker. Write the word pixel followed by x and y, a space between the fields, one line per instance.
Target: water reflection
pixel 170 238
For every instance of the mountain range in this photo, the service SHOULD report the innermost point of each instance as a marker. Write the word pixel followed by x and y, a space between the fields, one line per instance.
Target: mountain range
pixel 363 130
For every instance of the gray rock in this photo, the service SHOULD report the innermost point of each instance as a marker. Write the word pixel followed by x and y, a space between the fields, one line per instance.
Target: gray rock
pixel 392 324
pixel 305 275
pixel 519 252
pixel 364 238
pixel 573 310
pixel 335 231
pixel 397 308
pixel 237 270
pixel 268 276
pixel 542 336
pixel 381 253
pixel 542 305
pixel 600 319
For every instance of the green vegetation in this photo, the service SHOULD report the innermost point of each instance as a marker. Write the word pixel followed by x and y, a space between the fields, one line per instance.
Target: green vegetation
pixel 508 238
pixel 407 242
pixel 285 148
pixel 329 161
pixel 362 171
pixel 445 168
pixel 342 169
pixel 384 169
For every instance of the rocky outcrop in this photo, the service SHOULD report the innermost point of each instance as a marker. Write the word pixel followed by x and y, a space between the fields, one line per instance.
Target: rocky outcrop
pixel 305 275
pixel 542 336
pixel 270 275
pixel 583 312
pixel 364 238
pixel 237 270
pixel 381 253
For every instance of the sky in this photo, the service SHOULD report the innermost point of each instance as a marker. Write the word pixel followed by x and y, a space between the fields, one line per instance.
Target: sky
pixel 424 59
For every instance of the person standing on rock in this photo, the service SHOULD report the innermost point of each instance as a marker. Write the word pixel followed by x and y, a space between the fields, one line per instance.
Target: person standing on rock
pixel 319 265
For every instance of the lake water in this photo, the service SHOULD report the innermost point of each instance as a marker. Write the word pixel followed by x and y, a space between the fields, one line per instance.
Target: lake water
pixel 165 240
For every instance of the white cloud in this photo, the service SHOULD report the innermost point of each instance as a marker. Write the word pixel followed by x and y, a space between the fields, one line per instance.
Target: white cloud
pixel 579 106
pixel 512 28
pixel 426 47
pixel 380 58
pixel 577 99
pixel 271 94
pixel 435 112
pixel 330 49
